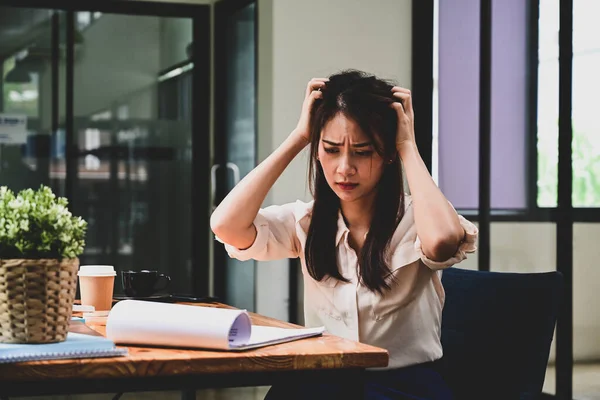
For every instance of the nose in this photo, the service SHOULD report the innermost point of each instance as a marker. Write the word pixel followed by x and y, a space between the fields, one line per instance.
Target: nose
pixel 345 166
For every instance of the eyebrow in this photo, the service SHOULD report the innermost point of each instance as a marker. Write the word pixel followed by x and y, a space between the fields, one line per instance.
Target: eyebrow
pixel 365 144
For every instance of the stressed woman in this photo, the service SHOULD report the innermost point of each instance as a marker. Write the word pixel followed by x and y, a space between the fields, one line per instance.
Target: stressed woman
pixel 371 254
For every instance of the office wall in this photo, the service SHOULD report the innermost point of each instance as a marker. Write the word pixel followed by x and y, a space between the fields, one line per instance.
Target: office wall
pixel 586 275
pixel 299 40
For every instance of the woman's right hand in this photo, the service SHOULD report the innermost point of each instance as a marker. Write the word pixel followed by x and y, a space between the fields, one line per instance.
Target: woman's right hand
pixel 312 92
pixel 233 220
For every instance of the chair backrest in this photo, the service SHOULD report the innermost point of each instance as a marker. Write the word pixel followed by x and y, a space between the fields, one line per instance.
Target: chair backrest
pixel 497 330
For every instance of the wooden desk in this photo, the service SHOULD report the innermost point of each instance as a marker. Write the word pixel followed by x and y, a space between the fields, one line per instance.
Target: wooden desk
pixel 147 368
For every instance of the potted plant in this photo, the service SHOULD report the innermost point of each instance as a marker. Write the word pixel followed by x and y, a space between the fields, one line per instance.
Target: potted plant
pixel 40 241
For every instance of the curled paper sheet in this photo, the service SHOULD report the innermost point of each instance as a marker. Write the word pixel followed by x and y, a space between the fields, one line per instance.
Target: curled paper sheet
pixel 178 325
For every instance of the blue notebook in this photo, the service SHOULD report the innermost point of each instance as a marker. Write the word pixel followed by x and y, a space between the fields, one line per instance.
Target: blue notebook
pixel 77 345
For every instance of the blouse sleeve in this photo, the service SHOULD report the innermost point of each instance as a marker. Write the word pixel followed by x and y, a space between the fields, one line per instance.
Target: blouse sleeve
pixel 468 245
pixel 275 236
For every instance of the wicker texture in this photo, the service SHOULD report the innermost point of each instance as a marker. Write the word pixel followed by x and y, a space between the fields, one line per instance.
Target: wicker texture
pixel 36 299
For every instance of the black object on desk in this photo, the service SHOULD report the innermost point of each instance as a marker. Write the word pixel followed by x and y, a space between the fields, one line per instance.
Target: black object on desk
pixel 171 298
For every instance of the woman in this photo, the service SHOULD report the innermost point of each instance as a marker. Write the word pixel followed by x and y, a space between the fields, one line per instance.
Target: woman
pixel 371 255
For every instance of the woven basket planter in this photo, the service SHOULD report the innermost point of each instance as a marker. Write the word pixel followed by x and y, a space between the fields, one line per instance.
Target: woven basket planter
pixel 36 299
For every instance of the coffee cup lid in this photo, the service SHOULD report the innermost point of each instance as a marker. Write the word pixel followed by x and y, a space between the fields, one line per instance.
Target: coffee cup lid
pixel 97 270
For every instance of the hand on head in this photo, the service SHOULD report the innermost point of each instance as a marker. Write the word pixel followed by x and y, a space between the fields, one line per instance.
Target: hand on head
pixel 405 134
pixel 313 92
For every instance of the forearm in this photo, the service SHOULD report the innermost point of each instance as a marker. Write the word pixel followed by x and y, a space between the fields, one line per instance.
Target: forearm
pixel 232 219
pixel 436 220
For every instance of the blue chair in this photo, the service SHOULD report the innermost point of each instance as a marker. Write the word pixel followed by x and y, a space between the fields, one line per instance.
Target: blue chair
pixel 497 329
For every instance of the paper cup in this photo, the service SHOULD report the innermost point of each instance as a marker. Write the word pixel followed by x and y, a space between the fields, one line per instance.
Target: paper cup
pixel 96 284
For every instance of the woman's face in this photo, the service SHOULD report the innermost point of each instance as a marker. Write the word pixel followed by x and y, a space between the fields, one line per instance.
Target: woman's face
pixel 350 163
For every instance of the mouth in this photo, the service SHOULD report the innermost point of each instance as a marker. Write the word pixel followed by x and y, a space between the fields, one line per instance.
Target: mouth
pixel 347 185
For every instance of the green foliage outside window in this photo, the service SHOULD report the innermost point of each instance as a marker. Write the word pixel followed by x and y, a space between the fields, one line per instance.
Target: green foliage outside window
pixel 586 170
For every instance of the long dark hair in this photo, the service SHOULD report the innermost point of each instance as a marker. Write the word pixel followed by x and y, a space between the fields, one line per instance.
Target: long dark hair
pixel 366 100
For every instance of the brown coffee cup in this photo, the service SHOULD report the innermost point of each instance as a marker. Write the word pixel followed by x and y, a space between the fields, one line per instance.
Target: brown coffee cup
pixel 96 284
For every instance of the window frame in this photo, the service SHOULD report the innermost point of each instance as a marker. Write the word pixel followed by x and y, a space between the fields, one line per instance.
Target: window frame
pixel 532 212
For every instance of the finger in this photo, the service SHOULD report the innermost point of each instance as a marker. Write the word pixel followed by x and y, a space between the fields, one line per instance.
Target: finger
pixel 401 97
pixel 310 101
pixel 315 94
pixel 317 86
pixel 399 109
pixel 400 89
pixel 406 100
pixel 314 84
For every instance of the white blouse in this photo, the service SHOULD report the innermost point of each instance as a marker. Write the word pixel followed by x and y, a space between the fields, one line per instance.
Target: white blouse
pixel 405 320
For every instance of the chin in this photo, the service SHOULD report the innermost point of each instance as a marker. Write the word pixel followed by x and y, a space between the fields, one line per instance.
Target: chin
pixel 348 196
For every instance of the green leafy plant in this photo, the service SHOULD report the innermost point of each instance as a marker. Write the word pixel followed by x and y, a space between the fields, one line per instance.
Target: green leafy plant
pixel 37 224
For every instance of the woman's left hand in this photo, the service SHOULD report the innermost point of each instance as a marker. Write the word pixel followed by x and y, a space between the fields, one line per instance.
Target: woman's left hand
pixel 405 136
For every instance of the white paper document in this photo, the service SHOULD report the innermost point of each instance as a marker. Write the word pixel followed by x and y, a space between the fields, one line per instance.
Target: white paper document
pixel 177 325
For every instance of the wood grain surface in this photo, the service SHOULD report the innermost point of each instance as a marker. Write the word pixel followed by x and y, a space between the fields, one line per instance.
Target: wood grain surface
pixel 317 353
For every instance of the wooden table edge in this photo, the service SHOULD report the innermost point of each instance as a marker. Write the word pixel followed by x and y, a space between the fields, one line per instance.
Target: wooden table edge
pixel 128 367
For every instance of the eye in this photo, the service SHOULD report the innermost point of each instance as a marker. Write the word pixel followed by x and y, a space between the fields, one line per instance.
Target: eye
pixel 366 153
pixel 331 150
